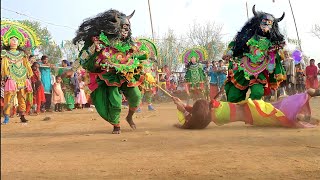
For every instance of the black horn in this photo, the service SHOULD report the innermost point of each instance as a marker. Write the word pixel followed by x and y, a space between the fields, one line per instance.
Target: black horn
pixel 280 19
pixel 130 16
pixel 254 10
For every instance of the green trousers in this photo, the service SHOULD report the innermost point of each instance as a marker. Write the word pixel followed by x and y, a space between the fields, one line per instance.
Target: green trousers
pixel 236 95
pixel 108 100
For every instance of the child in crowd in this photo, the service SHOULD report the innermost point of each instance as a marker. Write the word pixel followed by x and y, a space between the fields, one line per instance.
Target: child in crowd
pixel 38 89
pixel 81 96
pixel 58 96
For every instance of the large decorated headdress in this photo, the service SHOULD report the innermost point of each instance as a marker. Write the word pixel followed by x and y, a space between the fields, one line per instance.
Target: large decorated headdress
pixel 109 23
pixel 151 50
pixel 150 45
pixel 26 36
pixel 198 52
pixel 252 27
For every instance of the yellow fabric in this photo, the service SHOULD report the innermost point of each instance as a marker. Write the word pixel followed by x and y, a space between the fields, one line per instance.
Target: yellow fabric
pixel 28 66
pixel 162 84
pixel 150 78
pixel 5 71
pixel 181 117
pixel 269 118
pixel 9 101
pixel 4 67
pixel 222 113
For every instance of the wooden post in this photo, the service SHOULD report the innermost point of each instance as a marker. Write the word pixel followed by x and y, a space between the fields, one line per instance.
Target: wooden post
pixel 151 20
pixel 295 24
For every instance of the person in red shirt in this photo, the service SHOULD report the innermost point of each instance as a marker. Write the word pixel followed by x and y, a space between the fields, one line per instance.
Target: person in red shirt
pixel 311 74
pixel 38 89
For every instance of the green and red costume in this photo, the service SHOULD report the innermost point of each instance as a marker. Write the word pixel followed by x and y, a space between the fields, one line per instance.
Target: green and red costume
pixel 259 70
pixel 111 68
pixel 256 58
pixel 195 76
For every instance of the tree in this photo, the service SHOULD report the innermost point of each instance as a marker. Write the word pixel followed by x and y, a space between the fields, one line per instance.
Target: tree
pixel 208 36
pixel 170 48
pixel 316 30
pixel 48 46
pixel 69 50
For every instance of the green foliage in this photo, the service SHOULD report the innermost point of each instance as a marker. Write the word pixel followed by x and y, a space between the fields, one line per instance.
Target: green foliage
pixel 48 46
pixel 209 36
pixel 69 50
pixel 170 48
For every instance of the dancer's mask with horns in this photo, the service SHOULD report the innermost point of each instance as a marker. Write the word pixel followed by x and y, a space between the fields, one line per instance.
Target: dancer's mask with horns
pixel 267 20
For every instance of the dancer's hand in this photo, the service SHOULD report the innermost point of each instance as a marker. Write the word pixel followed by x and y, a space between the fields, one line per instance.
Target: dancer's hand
pixel 176 100
pixel 179 103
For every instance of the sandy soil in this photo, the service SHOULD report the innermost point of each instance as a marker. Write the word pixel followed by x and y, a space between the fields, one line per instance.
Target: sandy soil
pixel 78 145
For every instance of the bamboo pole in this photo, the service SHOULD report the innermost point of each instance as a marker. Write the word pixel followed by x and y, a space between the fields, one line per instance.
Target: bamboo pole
pixel 166 92
pixel 295 24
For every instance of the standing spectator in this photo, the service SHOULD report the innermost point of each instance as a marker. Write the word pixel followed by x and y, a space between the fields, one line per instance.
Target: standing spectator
pixel 311 75
pixel 207 67
pixel 58 96
pixel 222 74
pixel 214 89
pixel 67 84
pixel 45 70
pixel 32 59
pixel 290 71
pixel 38 90
pixel 81 96
pixel 166 70
pixel 299 78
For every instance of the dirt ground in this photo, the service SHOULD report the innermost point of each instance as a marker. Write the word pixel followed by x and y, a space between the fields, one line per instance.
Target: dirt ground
pixel 78 145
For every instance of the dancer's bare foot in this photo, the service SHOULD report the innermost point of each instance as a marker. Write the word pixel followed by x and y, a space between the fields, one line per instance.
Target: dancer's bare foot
pixel 116 130
pixel 313 92
pixel 131 123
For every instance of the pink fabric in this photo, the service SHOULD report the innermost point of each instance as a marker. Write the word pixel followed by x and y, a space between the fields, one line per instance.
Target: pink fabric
pixel 28 85
pixel 57 94
pixel 10 85
pixel 294 105
pixel 81 97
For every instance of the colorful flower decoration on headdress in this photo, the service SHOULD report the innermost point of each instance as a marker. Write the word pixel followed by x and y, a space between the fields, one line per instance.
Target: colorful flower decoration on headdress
pixel 193 54
pixel 26 36
pixel 150 45
pixel 199 52
pixel 152 51
pixel 228 51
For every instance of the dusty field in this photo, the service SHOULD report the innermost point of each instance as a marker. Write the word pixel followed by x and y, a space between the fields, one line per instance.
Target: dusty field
pixel 78 145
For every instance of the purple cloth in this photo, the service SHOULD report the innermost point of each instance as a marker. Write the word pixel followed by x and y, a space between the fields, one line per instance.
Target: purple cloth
pixel 291 106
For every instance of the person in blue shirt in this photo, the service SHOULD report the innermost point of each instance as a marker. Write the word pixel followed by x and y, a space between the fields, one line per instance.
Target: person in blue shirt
pixel 222 74
pixel 213 80
pixel 45 70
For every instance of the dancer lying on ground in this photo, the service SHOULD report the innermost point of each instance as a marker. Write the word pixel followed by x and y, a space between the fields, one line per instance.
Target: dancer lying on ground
pixel 292 111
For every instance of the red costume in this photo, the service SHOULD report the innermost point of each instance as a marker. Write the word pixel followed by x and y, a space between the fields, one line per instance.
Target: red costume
pixel 311 80
pixel 38 90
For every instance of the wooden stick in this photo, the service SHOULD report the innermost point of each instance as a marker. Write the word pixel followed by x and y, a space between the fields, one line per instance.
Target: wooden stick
pixel 53 67
pixel 166 92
